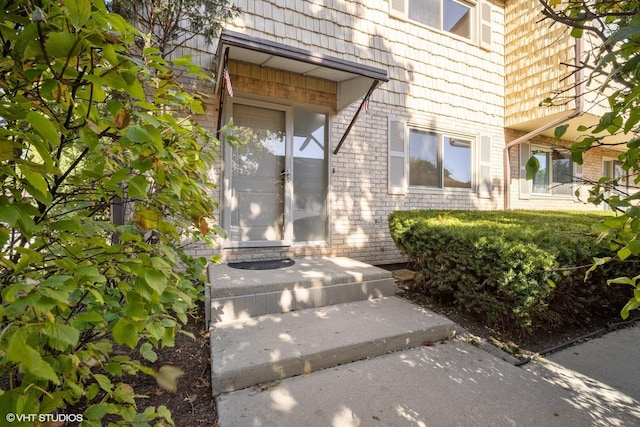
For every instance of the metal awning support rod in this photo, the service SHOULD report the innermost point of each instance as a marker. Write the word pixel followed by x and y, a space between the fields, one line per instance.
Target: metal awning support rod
pixel 355 117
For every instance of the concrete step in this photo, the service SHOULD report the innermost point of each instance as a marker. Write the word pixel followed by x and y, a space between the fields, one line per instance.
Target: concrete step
pixel 272 347
pixel 311 282
pixel 452 384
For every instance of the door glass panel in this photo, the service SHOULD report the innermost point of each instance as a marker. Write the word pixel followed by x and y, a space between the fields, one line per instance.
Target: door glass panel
pixel 309 176
pixel 257 180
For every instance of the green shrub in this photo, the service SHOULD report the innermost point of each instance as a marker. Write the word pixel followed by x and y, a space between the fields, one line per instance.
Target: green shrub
pixel 89 131
pixel 509 268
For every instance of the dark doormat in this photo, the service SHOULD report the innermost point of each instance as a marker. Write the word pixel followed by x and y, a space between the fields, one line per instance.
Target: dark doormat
pixel 262 265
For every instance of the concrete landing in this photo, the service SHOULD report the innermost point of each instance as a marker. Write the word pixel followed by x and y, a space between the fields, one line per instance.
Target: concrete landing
pixel 452 384
pixel 311 282
pixel 271 347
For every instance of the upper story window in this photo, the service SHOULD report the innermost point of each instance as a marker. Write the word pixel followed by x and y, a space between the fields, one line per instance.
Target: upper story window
pixel 447 15
pixel 470 20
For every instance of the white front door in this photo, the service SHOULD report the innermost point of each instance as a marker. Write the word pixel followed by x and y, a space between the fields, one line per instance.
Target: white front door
pixel 275 178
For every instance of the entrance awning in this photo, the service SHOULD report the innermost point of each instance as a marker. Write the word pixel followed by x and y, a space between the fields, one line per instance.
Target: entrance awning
pixel 354 80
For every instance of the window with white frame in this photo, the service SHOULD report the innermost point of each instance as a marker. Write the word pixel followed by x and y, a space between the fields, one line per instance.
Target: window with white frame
pixel 447 15
pixel 613 169
pixel 555 175
pixel 422 159
pixel 438 160
pixel 464 18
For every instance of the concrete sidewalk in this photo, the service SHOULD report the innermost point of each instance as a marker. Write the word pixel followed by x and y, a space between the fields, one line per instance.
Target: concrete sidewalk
pixel 455 384
pixel 613 359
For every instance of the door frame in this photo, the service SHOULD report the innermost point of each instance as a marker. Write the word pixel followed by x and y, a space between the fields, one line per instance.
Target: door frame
pixel 288 185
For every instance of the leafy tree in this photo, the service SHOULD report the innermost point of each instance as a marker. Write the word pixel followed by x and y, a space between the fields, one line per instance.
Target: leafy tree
pixel 613 63
pixel 169 24
pixel 85 123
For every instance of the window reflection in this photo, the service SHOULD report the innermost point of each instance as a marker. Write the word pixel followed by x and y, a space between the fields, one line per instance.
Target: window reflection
pixel 309 176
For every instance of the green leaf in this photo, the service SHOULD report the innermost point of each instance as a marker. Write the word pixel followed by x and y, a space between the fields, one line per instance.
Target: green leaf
pixel 97 411
pixel 138 187
pixel 146 351
pixel 576 32
pixel 87 317
pixel 104 382
pixel 29 257
pixel 78 12
pixel 623 32
pixel 92 391
pixel 632 304
pixel 9 215
pixel 136 310
pixel 125 333
pixel 560 131
pixel 61 336
pixel 155 329
pixel 37 183
pixel 60 44
pixel 622 281
pixel 44 127
pixel 632 120
pixel 136 90
pixel 615 126
pixel 136 133
pixel 196 107
pixel 624 253
pixel 4 238
pixel 124 394
pixel 26 356
pixel 634 143
pixel 88 137
pixel 156 279
pixel 532 167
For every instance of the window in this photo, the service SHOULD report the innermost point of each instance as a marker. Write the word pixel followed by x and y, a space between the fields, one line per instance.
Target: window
pixel 555 174
pixel 439 160
pixel 469 19
pixel 613 169
pixel 448 15
pixel 422 159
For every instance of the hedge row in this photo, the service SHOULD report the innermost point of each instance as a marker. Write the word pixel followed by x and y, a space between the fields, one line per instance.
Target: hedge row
pixel 517 267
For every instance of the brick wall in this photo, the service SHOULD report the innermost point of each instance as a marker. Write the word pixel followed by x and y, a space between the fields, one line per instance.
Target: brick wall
pixel 281 85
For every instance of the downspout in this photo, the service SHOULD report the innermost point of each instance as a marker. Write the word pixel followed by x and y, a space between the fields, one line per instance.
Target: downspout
pixel 579 108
